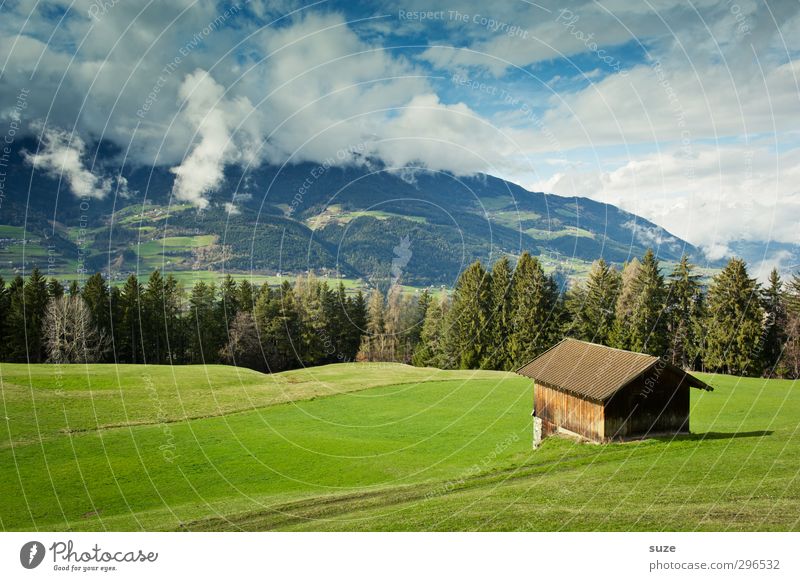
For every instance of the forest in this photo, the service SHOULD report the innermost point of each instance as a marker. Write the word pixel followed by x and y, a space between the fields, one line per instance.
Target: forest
pixel 494 318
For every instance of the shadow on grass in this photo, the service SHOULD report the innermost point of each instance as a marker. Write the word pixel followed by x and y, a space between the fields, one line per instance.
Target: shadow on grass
pixel 716 436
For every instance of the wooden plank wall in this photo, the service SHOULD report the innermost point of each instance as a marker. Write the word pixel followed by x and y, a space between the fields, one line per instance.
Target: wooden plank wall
pixel 576 414
pixel 656 408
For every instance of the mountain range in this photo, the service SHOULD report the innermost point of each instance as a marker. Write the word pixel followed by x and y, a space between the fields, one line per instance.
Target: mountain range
pixel 412 226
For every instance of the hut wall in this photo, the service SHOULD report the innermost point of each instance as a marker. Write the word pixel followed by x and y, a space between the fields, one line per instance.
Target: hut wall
pixel 558 408
pixel 656 403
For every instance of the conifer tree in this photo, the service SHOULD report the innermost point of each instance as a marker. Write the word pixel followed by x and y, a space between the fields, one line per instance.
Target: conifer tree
pixel 469 317
pixel 501 323
pixel 684 316
pixel 648 320
pixel 97 296
pixel 793 294
pixel 278 321
pixel 228 297
pixel 15 343
pixel 734 321
pixel 373 343
pixel 790 361
pixel 128 339
pixel 54 288
pixel 574 305
pixel 153 328
pixel 203 324
pixel 175 331
pixel 534 298
pixel 593 307
pixel 393 324
pixel 357 317
pixel 246 296
pixel 417 318
pixel 311 296
pixel 775 323
pixel 626 303
pixel 430 352
pixel 35 299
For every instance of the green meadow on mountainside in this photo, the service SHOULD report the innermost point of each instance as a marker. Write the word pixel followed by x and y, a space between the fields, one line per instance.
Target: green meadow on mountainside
pixel 372 447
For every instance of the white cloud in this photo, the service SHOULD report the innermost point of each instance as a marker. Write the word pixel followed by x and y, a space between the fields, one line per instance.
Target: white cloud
pixel 215 119
pixel 60 155
pixel 309 88
pixel 713 196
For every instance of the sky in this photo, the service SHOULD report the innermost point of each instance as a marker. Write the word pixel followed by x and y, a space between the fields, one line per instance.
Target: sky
pixel 684 112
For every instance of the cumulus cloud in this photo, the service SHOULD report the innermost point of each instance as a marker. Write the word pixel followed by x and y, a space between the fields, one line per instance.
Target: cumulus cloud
pixel 60 155
pixel 215 120
pixel 713 196
pixel 271 85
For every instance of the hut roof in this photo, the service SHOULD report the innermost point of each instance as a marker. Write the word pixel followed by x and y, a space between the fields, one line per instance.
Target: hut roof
pixel 595 371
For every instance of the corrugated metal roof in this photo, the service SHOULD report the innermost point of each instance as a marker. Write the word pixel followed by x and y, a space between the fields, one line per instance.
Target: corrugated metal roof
pixel 593 371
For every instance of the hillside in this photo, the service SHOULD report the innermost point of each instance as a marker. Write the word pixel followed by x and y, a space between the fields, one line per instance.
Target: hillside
pixel 372 223
pixel 366 447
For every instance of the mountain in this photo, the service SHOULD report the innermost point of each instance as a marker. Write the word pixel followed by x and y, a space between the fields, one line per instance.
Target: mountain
pixel 416 226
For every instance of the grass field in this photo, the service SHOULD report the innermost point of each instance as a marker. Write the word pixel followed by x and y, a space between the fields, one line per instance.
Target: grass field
pixel 372 447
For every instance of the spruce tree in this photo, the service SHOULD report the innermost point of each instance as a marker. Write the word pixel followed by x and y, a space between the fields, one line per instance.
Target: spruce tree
pixel 430 352
pixel 597 312
pixel 417 318
pixel 15 343
pixel 35 300
pixel 393 324
pixel 793 294
pixel 734 321
pixel 204 337
pixel 502 317
pixel 357 317
pixel 534 297
pixel 621 335
pixel 128 339
pixel 286 329
pixel 684 316
pixel 790 361
pixel 177 346
pixel 228 298
pixel 776 323
pixel 246 296
pixel 470 317
pixel 373 346
pixel 311 296
pixel 154 331
pixel 574 305
pixel 649 320
pixel 54 288
pixel 97 296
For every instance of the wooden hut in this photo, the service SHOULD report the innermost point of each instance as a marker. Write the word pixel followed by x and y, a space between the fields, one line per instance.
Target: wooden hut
pixel 602 394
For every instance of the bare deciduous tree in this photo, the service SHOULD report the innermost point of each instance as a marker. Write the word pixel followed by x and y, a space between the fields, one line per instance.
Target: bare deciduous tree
pixel 244 345
pixel 70 333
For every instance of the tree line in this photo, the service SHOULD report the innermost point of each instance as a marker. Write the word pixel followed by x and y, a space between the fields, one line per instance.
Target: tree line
pixel 501 319
pixel 264 328
pixel 498 318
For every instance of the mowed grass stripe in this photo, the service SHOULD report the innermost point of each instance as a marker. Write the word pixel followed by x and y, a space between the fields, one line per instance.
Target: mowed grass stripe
pixel 78 398
pixel 397 434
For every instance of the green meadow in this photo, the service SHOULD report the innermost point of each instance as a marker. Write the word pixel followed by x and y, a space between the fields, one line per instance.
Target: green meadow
pixel 372 447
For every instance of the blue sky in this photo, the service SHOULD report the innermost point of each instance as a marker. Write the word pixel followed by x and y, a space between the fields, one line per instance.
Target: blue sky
pixel 684 112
